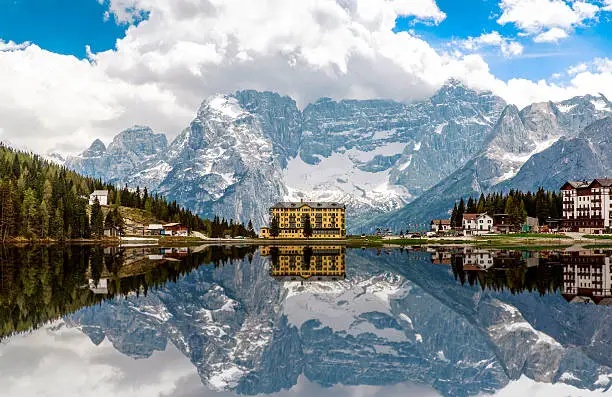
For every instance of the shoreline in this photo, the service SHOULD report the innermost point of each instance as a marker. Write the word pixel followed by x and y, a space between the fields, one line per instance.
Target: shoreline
pixel 491 242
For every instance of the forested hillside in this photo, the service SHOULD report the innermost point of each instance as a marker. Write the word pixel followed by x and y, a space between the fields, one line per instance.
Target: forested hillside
pixel 518 205
pixel 42 200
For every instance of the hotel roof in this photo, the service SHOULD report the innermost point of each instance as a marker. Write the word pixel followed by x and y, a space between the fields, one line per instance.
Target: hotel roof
pixel 311 204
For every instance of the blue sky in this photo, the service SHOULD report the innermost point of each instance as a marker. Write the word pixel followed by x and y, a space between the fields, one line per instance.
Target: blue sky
pixel 179 52
pixel 466 18
pixel 67 26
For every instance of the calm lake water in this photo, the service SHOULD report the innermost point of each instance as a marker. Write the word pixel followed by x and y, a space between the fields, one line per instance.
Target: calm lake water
pixel 304 321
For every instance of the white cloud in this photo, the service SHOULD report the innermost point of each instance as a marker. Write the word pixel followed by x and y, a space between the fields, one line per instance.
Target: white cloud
pixel 547 20
pixel 508 47
pixel 551 36
pixel 6 46
pixel 187 50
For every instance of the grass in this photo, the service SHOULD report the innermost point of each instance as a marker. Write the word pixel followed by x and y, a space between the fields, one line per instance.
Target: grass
pixel 598 236
pixel 543 236
pixel 136 215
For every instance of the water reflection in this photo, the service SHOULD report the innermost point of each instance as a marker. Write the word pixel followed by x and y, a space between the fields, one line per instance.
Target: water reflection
pixel 452 321
pixel 306 263
pixel 42 283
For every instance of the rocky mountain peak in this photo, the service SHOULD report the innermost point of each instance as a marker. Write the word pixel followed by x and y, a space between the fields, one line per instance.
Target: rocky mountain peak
pixel 221 107
pixel 97 148
pixel 138 140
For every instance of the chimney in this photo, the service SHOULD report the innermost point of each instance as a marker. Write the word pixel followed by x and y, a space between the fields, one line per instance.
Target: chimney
pixel 301 199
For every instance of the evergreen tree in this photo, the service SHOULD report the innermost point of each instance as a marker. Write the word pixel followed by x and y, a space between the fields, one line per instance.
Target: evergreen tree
pixel 274 227
pixel 307 226
pixel 97 220
pixel 460 212
pixel 453 219
pixel 471 206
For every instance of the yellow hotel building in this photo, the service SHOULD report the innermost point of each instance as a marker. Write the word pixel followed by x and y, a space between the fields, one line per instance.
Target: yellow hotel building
pixel 328 220
pixel 325 262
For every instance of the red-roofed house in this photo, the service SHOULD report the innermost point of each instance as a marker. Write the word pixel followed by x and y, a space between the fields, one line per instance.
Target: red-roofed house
pixel 475 224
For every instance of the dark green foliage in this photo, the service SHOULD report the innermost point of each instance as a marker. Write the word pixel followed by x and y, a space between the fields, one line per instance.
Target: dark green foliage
pixel 307 225
pixel 41 283
pixel 518 205
pixel 274 227
pixel 97 220
pixel 40 199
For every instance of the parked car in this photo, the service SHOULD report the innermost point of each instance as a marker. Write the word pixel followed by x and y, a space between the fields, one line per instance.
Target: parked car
pixel 415 235
pixel 363 235
pixel 432 234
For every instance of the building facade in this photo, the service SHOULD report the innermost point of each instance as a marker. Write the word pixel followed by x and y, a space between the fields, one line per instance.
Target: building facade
pixel 587 206
pixel 327 220
pixel 101 195
pixel 440 225
pixel 475 224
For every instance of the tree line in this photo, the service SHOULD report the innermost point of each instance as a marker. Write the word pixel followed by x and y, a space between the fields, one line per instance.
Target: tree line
pixel 220 228
pixel 517 205
pixel 42 200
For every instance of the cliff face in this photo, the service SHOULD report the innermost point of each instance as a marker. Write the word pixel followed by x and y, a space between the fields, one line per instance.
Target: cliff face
pixel 245 151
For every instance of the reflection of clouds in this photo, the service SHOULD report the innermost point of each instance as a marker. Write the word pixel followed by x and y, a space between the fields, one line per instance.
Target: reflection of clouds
pixel 528 387
pixel 64 362
pixel 61 361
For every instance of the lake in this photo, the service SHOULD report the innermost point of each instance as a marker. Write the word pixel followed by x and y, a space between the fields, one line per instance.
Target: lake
pixel 304 321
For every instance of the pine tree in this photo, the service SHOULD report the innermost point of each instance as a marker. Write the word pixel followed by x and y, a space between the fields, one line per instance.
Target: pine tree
pixel 44 216
pixel 97 220
pixel 307 226
pixel 471 206
pixel 250 229
pixel 274 227
pixel 454 217
pixel 29 213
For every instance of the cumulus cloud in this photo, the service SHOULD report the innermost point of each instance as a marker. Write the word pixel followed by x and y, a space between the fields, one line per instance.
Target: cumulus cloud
pixel 186 50
pixel 551 36
pixel 548 20
pixel 508 47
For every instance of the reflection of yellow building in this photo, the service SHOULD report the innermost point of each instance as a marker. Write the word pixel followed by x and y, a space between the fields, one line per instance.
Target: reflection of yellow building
pixel 298 262
pixel 328 220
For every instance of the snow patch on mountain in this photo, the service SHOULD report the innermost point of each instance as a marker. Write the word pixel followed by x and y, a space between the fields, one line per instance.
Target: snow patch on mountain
pixel 342 305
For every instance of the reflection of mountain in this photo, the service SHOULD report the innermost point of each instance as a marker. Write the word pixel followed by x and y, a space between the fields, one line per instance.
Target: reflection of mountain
pixel 41 283
pixel 395 318
pixel 312 263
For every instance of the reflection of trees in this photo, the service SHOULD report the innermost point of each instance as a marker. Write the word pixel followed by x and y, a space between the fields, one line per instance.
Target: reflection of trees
pixel 514 277
pixel 42 283
pixel 307 258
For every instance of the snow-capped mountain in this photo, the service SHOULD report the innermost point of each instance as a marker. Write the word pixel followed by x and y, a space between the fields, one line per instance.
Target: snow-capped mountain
pixel 394 318
pixel 516 141
pixel 245 151
pixel 128 151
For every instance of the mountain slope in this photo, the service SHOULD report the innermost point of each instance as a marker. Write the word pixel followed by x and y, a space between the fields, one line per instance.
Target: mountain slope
pixel 516 138
pixel 245 151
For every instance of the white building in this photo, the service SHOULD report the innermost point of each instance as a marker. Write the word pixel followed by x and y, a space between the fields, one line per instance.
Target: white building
pixel 101 195
pixel 440 225
pixel 476 224
pixel 586 205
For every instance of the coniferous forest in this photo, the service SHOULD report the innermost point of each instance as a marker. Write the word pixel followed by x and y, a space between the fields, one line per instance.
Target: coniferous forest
pixel 42 200
pixel 517 205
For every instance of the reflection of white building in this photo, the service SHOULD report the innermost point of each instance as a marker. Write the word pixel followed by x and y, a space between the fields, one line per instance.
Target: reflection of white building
pixel 475 257
pixel 100 288
pixel 587 276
